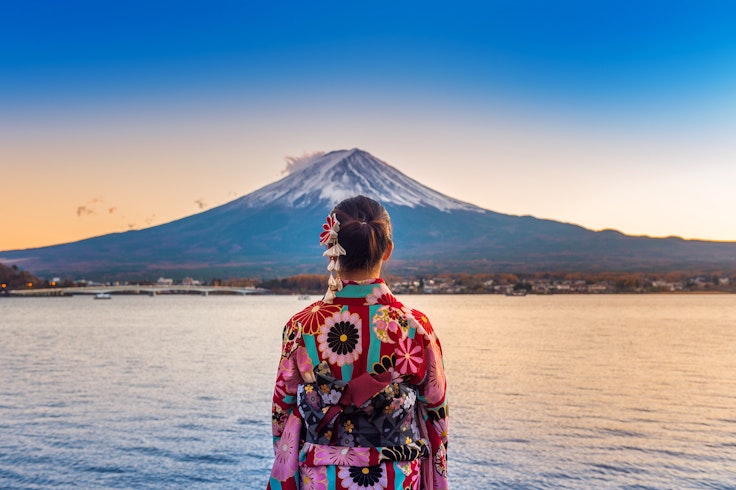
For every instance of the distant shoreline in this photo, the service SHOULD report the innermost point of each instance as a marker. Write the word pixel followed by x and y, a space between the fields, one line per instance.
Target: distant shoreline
pixel 14 281
pixel 51 293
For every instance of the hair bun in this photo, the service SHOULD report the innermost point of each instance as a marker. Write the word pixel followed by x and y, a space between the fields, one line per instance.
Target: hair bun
pixel 364 245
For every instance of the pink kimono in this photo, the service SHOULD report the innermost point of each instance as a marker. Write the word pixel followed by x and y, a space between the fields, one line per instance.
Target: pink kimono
pixel 359 401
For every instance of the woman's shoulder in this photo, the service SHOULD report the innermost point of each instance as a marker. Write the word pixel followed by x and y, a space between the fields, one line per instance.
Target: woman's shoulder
pixel 423 325
pixel 312 317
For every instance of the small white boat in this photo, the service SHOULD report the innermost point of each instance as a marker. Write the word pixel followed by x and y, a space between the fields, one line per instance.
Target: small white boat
pixel 103 296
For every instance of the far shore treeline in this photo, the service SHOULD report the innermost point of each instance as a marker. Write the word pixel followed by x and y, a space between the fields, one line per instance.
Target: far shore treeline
pixel 12 277
pixel 560 282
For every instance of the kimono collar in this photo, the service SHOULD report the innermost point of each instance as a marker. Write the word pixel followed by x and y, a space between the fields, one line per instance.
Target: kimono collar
pixel 372 291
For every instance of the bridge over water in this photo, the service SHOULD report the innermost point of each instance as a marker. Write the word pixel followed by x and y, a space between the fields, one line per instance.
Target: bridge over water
pixel 145 290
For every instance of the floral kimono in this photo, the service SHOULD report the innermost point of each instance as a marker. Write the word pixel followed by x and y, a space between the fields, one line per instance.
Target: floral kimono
pixel 359 401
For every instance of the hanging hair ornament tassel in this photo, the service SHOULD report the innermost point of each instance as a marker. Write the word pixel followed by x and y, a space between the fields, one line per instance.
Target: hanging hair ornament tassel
pixel 328 237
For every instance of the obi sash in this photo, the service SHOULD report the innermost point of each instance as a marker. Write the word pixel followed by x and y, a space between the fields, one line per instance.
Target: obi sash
pixel 369 411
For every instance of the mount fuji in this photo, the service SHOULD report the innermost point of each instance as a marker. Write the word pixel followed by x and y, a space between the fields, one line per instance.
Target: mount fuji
pixel 274 231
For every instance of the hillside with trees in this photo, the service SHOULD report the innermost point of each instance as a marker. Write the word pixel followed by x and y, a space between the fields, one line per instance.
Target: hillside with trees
pixel 12 277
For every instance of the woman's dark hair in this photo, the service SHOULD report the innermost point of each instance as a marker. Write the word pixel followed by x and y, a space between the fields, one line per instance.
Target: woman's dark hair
pixel 365 232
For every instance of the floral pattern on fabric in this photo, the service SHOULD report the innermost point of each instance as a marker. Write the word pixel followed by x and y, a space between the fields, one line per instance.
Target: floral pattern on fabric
pixel 278 419
pixel 440 462
pixel 435 389
pixel 441 426
pixel 408 357
pixel 380 444
pixel 381 295
pixel 386 364
pixel 304 365
pixel 313 477
pixel 390 324
pixel 319 454
pixel 423 325
pixel 410 469
pixel 313 316
pixel 340 338
pixel 286 450
pixel 365 478
pixel 288 378
pixel 292 335
pixel 341 456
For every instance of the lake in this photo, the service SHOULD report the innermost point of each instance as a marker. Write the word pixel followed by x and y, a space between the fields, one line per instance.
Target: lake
pixel 609 391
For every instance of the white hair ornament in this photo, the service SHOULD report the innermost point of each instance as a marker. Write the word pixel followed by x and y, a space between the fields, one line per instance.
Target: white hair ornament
pixel 328 237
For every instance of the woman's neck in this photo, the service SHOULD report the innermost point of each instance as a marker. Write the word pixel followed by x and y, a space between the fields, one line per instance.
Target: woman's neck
pixel 361 274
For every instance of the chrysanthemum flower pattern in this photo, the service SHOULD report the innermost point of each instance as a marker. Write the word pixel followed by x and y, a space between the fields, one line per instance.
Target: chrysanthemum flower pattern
pixel 339 340
pixel 313 477
pixel 341 456
pixel 365 478
pixel 408 356
pixel 424 327
pixel 286 450
pixel 313 316
pixel 440 426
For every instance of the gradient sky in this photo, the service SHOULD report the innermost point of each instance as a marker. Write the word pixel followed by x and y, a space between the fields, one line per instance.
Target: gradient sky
pixel 120 115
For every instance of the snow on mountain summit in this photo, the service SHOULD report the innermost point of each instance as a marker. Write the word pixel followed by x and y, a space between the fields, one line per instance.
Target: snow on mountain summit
pixel 337 175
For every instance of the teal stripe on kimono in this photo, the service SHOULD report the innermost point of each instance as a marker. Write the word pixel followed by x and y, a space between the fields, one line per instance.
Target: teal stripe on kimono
pixel 399 477
pixel 311 345
pixel 331 477
pixel 347 372
pixel 374 351
pixel 275 484
pixel 357 291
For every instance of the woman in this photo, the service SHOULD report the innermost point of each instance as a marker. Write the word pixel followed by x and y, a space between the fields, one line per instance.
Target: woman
pixel 359 401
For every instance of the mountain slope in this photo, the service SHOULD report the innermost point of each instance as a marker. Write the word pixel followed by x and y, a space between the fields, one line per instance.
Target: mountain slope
pixel 274 231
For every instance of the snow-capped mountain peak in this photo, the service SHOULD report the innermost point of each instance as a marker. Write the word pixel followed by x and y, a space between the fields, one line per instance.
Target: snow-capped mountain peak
pixel 340 174
pixel 271 232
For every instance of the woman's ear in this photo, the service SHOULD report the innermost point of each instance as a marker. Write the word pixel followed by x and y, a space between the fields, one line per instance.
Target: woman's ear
pixel 389 250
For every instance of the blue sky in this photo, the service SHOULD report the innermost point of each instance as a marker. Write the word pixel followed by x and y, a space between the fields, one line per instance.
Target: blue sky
pixel 598 53
pixel 605 114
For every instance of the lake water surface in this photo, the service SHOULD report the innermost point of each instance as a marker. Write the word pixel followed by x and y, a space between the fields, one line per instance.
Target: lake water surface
pixel 546 391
